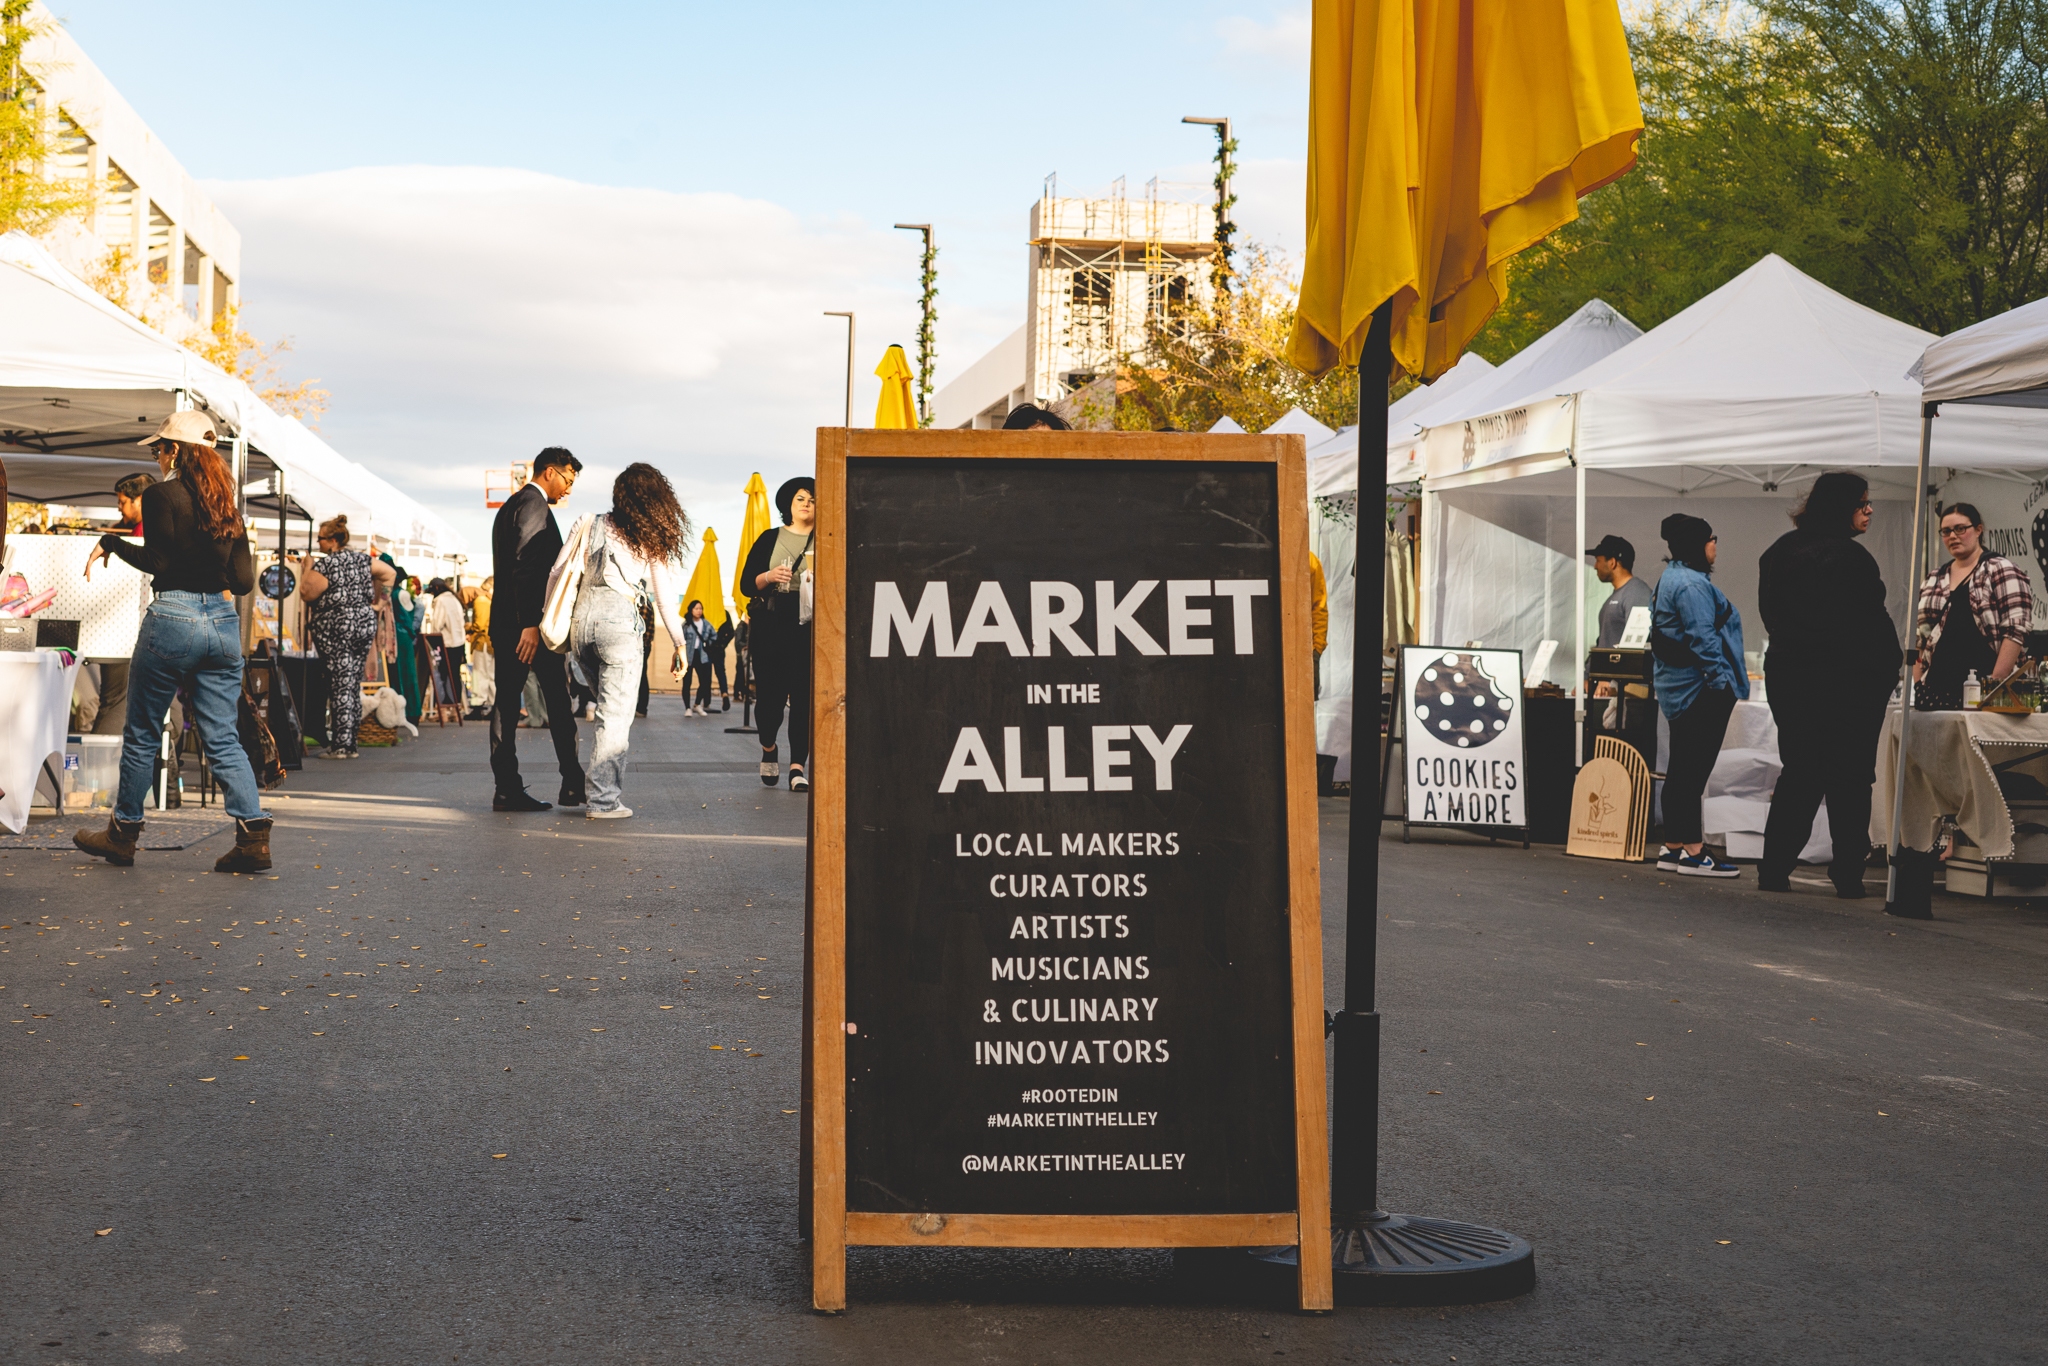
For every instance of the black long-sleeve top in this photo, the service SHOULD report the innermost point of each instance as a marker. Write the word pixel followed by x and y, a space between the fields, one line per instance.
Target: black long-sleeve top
pixel 176 553
pixel 1822 601
pixel 524 543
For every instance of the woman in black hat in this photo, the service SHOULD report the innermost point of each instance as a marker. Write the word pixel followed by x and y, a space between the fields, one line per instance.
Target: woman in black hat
pixel 778 569
pixel 1696 635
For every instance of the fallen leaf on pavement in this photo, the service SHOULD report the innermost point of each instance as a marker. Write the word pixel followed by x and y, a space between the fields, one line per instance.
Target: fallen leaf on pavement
pixel 101 1232
pixel 241 1057
pixel 496 1156
pixel 206 1079
pixel 598 1030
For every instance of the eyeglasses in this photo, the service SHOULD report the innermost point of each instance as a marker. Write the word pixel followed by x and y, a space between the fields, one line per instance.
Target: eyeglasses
pixel 1949 531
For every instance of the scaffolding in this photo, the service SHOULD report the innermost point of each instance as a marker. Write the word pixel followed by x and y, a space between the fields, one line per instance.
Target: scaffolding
pixel 1103 276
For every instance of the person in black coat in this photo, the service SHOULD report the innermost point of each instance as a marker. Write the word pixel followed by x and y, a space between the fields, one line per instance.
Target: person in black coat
pixel 524 543
pixel 780 643
pixel 1832 664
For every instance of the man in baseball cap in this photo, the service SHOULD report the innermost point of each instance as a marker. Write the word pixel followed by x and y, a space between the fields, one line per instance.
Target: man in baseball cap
pixel 1614 560
pixel 190 426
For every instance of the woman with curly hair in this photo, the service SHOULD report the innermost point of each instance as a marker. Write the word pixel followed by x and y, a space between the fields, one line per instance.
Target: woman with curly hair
pixel 633 560
pixel 196 550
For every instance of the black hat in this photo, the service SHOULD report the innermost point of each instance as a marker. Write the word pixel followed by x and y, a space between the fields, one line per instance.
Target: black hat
pixel 1025 416
pixel 1687 536
pixel 786 495
pixel 1612 547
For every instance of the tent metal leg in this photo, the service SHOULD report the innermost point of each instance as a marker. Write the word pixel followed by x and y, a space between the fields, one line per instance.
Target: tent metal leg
pixel 1913 901
pixel 1579 614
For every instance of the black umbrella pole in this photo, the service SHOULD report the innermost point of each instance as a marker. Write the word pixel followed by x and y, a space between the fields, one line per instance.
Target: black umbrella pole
pixel 1379 1258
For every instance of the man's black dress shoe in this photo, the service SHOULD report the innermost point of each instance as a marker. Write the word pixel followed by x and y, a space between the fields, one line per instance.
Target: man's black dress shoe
pixel 520 801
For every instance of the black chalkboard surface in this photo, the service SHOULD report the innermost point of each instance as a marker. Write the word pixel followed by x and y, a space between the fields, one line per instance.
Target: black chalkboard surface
pixel 1061 826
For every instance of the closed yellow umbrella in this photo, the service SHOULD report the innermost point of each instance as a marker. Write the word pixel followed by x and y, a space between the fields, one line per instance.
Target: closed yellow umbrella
pixel 1445 136
pixel 705 584
pixel 898 406
pixel 757 521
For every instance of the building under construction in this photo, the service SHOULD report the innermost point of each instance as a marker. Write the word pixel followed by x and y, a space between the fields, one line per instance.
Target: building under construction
pixel 1103 273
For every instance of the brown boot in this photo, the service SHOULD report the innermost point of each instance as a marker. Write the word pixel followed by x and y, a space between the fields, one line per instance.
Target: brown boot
pixel 251 853
pixel 115 844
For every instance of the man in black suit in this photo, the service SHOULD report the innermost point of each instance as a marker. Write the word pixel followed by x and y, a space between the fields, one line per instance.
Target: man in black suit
pixel 524 543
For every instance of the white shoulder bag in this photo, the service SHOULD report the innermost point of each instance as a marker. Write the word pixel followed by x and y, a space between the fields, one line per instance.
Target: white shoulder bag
pixel 565 581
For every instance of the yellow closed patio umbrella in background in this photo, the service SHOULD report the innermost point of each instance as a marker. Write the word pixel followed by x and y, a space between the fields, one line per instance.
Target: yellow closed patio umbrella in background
pixel 757 521
pixel 898 405
pixel 1444 137
pixel 705 584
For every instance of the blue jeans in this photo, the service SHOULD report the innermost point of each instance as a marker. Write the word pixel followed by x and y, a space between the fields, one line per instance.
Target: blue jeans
pixel 192 639
pixel 604 635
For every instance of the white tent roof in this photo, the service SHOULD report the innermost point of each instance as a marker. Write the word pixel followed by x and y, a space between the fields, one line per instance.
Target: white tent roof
pixel 2002 360
pixel 81 382
pixel 1773 370
pixel 1227 425
pixel 1333 462
pixel 1298 423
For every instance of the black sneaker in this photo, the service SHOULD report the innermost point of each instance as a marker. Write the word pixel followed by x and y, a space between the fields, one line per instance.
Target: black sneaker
pixel 521 800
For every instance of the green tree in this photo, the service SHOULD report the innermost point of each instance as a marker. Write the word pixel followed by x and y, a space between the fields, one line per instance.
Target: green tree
pixel 1227 360
pixel 30 199
pixel 1896 150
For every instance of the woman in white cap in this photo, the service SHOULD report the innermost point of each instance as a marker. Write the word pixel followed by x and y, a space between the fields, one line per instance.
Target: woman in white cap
pixel 195 549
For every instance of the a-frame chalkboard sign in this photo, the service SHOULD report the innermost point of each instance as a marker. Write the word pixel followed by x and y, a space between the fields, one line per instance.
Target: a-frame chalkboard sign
pixel 1064 980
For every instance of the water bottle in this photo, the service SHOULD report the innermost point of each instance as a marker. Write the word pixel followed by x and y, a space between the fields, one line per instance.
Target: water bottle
pixel 1973 692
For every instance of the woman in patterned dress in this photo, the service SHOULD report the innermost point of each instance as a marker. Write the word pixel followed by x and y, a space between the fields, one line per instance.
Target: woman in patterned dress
pixel 337 592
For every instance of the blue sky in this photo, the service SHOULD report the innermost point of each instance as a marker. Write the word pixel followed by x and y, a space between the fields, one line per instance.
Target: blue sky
pixel 490 227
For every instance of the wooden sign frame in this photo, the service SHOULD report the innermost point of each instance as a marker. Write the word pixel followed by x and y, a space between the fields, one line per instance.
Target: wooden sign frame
pixel 832 1227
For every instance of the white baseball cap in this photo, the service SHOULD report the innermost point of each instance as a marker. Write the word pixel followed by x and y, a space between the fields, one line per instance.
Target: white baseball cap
pixel 192 427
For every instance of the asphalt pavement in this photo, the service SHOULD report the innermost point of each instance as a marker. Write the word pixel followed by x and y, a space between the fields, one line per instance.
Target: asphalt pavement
pixel 523 1089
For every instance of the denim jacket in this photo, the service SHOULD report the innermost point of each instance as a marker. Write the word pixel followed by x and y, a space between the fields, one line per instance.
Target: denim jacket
pixel 700 637
pixel 1690 610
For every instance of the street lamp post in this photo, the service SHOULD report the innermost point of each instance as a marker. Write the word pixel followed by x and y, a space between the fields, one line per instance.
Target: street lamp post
pixel 928 282
pixel 1226 163
pixel 835 313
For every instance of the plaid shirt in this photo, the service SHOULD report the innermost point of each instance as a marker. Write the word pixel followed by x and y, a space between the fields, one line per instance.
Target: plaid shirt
pixel 2001 600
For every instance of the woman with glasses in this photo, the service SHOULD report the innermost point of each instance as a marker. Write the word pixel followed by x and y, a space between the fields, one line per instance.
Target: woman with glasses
pixel 1832 664
pixel 338 589
pixel 1696 636
pixel 1973 615
pixel 196 550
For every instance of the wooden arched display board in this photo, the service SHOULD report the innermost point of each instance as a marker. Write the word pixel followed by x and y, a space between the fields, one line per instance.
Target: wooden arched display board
pixel 1610 815
pixel 1064 977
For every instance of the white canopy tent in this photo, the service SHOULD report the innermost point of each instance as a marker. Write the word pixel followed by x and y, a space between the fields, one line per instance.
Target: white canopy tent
pixel 81 381
pixel 1728 411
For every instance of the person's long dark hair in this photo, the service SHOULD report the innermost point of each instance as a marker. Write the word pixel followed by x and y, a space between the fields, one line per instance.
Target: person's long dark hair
pixel 1831 504
pixel 646 513
pixel 202 471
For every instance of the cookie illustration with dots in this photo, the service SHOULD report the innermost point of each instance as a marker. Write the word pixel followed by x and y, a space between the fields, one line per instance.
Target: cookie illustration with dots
pixel 1460 702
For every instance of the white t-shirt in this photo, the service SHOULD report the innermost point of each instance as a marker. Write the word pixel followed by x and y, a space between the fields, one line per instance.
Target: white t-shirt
pixel 623 571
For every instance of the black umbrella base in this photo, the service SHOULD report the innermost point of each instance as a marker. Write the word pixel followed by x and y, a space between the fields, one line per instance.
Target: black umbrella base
pixel 1396 1260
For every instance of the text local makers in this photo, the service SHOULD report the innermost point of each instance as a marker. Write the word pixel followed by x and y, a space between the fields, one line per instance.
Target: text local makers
pixel 1055 608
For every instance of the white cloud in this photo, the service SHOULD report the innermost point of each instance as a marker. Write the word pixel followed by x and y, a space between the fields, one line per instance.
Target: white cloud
pixel 465 317
pixel 1285 38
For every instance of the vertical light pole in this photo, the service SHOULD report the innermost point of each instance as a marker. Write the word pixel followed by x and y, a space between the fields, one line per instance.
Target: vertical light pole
pixel 1226 165
pixel 834 313
pixel 926 327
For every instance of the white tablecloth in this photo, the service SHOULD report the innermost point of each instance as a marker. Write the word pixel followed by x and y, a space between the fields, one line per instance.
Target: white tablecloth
pixel 35 709
pixel 1950 774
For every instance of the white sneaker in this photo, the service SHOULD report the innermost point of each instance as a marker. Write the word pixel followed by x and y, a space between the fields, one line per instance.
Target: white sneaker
pixel 617 813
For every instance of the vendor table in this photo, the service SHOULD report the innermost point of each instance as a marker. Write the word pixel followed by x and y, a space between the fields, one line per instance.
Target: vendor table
pixel 35 709
pixel 1956 761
